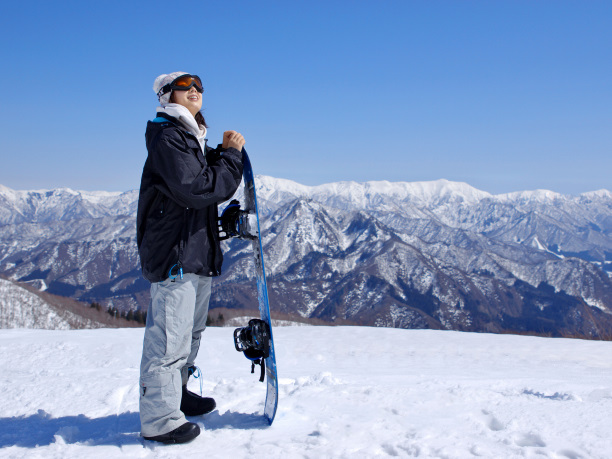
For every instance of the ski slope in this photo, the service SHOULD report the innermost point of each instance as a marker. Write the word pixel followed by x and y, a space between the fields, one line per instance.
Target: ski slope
pixel 344 392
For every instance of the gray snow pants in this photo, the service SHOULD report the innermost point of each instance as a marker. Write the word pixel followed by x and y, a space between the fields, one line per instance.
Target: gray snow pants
pixel 176 319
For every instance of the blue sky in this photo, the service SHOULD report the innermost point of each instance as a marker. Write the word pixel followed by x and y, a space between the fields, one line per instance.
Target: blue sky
pixel 503 95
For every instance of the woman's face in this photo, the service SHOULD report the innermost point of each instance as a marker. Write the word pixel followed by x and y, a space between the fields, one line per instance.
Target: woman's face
pixel 191 99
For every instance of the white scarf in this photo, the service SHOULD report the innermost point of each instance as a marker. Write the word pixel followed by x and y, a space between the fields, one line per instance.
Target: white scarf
pixel 184 116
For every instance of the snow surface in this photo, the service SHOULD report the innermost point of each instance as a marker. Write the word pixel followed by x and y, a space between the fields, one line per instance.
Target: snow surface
pixel 344 392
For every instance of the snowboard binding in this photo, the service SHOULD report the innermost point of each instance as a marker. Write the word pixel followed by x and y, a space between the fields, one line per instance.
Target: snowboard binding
pixel 254 341
pixel 234 222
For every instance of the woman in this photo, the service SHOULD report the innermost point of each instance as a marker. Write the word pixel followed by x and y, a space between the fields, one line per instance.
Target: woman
pixel 183 180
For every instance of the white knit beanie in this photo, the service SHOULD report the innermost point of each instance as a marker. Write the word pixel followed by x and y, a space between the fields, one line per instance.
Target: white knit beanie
pixel 162 81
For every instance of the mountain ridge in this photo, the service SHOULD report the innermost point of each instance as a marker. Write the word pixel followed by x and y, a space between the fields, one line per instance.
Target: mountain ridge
pixel 435 254
pixel 270 188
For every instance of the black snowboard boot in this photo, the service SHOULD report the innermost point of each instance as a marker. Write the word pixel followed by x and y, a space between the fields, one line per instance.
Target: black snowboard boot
pixel 194 405
pixel 182 434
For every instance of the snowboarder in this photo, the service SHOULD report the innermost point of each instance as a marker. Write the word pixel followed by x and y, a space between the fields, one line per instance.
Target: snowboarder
pixel 183 180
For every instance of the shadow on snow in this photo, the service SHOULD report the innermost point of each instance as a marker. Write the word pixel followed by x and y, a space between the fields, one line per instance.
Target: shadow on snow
pixel 41 429
pixel 233 420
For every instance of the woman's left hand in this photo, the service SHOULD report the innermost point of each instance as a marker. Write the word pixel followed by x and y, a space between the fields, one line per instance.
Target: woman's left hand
pixel 233 139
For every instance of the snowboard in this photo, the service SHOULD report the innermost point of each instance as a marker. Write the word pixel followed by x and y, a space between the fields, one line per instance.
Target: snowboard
pixel 248 228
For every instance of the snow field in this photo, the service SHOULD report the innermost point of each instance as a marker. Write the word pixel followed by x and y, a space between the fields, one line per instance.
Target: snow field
pixel 344 392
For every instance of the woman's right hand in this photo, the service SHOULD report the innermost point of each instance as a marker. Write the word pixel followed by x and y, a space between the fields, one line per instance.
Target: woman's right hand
pixel 233 139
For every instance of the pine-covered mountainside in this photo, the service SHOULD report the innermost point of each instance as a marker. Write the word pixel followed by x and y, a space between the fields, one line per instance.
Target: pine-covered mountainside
pixel 440 255
pixel 24 306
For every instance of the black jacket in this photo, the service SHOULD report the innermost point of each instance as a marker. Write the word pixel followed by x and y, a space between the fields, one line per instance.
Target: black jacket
pixel 177 207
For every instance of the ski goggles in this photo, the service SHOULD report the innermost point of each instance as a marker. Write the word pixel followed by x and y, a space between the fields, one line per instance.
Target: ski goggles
pixel 182 83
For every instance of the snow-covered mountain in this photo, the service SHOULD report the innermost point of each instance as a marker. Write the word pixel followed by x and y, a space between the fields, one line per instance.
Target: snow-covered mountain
pixel 63 204
pixel 23 306
pixel 20 308
pixel 415 255
pixel 565 224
